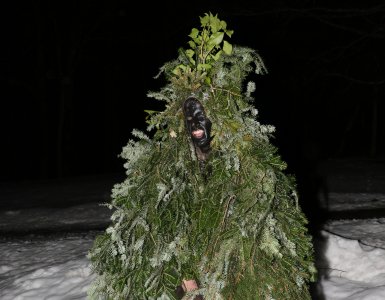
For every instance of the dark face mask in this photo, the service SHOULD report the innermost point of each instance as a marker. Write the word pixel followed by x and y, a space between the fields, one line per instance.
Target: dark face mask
pixel 197 124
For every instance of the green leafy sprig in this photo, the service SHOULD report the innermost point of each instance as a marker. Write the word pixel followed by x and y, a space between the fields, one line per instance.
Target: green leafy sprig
pixel 206 47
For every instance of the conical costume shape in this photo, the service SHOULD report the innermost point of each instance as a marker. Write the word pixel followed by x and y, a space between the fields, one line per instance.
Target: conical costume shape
pixel 222 212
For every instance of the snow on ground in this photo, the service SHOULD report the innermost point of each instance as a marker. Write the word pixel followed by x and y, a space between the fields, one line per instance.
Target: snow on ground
pixel 45 268
pixel 56 267
pixel 53 264
pixel 354 268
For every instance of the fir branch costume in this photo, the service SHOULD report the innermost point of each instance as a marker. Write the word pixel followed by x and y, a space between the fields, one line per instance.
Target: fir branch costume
pixel 230 221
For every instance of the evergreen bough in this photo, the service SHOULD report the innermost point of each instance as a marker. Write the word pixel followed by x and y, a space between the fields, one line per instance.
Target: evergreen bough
pixel 235 226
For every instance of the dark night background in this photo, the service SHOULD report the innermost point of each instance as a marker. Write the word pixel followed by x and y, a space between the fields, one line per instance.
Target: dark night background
pixel 75 76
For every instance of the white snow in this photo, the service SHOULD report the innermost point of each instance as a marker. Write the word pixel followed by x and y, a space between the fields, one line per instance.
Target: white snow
pixel 354 270
pixel 55 266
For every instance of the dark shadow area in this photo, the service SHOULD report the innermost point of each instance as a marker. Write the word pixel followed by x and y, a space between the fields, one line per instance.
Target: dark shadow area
pixel 313 194
pixel 57 193
pixel 321 263
pixel 75 76
pixel 52 232
pixel 357 214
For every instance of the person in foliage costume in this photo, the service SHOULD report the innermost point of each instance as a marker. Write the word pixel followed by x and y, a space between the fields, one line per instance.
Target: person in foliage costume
pixel 206 200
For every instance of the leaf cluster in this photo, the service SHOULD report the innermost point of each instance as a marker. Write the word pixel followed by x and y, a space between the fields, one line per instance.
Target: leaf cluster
pixel 206 47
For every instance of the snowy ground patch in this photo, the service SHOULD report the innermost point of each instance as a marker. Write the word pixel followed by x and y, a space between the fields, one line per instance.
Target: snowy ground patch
pixel 41 268
pixel 56 267
pixel 355 269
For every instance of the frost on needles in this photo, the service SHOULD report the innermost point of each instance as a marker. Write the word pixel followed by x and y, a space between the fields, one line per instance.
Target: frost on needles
pixel 235 225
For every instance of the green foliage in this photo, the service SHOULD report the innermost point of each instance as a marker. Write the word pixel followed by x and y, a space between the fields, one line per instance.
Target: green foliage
pixel 206 47
pixel 240 233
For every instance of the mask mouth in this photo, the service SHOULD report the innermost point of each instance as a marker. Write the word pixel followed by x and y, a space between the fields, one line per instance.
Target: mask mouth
pixel 198 134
